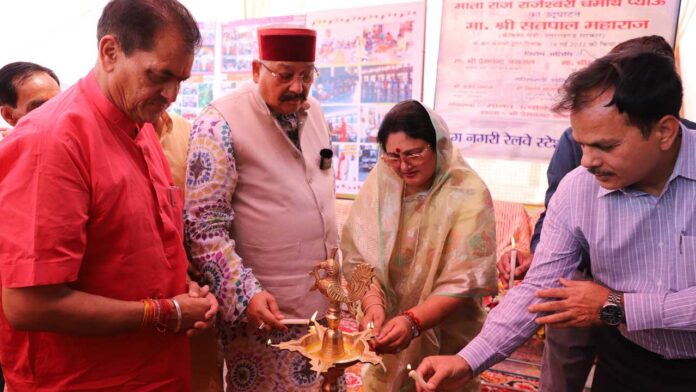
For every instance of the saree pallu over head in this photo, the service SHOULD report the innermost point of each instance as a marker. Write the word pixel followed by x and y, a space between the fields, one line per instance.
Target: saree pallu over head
pixel 454 254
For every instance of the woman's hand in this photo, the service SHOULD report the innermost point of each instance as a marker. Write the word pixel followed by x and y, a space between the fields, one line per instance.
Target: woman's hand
pixel 395 336
pixel 376 315
pixel 372 305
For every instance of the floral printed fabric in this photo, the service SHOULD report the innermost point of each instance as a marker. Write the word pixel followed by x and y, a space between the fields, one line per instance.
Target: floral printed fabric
pixel 253 366
pixel 211 179
pixel 291 125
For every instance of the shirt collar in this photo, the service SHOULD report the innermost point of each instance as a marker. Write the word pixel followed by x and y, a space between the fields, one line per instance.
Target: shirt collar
pixel 685 166
pixel 107 109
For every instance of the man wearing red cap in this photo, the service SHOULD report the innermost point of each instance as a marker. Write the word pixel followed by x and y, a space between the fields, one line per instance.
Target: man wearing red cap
pixel 258 200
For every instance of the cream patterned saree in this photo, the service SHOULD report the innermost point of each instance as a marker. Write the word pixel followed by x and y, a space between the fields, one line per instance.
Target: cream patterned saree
pixel 444 245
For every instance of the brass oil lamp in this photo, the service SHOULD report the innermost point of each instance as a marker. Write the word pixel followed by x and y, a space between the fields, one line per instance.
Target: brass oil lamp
pixel 330 350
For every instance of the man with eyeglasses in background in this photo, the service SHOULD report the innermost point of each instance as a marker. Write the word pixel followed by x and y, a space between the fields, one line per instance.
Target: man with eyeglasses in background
pixel 260 211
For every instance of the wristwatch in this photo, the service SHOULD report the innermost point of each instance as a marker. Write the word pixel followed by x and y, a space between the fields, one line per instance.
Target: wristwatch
pixel 612 313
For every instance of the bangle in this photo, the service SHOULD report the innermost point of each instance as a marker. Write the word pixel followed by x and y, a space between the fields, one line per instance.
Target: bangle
pixel 165 308
pixel 146 314
pixel 371 305
pixel 150 314
pixel 157 314
pixel 416 328
pixel 379 295
pixel 178 315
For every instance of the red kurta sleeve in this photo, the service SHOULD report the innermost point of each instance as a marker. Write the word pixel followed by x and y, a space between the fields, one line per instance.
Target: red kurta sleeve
pixel 44 200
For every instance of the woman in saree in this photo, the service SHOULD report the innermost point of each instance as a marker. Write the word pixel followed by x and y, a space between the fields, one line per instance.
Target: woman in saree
pixel 424 220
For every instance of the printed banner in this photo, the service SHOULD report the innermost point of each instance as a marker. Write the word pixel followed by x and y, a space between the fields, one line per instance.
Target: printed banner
pixel 501 64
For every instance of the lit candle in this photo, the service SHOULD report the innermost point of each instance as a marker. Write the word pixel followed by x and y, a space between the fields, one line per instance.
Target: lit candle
pixel 313 321
pixel 513 262
pixel 416 377
pixel 269 342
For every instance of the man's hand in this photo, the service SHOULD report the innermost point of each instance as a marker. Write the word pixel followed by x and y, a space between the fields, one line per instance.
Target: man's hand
pixel 195 291
pixel 444 372
pixel 395 336
pixel 196 312
pixel 578 304
pixel 524 261
pixel 263 308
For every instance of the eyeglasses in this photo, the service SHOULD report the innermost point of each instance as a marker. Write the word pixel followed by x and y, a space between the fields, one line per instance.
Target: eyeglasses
pixel 289 77
pixel 412 158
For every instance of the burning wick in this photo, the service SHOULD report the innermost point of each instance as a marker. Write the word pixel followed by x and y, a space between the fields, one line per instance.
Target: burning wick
pixel 416 377
pixel 313 321
pixel 364 334
pixel 269 342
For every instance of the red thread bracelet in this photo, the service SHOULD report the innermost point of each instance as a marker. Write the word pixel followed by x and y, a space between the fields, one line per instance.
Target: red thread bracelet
pixel 416 323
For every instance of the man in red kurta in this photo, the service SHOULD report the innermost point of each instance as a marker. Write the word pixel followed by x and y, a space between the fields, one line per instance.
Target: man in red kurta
pixel 91 223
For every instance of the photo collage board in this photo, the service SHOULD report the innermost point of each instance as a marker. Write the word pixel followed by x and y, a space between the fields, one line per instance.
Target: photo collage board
pixel 197 91
pixel 368 60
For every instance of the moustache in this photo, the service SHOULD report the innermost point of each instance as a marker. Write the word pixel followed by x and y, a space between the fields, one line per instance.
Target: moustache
pixel 292 97
pixel 597 172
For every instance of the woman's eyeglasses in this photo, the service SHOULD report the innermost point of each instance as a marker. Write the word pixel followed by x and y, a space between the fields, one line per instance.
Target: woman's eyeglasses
pixel 411 158
pixel 306 77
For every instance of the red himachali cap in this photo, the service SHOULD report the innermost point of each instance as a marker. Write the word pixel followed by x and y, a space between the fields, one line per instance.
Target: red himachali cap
pixel 287 44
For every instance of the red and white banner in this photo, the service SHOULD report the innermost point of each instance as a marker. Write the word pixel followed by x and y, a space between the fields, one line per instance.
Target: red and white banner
pixel 501 64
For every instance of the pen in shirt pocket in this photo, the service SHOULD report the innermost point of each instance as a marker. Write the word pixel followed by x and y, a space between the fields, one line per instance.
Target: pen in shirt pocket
pixel 681 242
